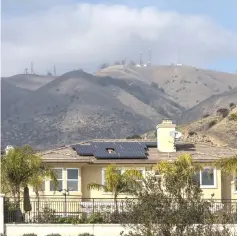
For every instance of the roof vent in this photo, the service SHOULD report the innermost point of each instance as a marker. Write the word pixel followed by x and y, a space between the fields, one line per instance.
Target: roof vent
pixel 110 150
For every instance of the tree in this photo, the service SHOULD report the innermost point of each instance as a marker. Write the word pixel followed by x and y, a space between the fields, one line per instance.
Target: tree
pixel 172 205
pixel 118 183
pixel 22 167
pixel 227 165
pixel 104 65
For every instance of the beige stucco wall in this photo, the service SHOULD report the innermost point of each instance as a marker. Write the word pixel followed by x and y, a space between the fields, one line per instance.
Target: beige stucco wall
pixel 207 192
pixel 92 173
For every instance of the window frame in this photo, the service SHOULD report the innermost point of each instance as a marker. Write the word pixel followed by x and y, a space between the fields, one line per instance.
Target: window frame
pixel 73 179
pixel 57 179
pixel 214 178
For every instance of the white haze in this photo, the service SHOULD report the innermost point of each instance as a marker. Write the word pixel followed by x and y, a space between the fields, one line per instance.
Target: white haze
pixel 86 35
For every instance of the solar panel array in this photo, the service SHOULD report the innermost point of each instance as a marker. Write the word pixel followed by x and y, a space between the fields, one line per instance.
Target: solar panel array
pixel 120 150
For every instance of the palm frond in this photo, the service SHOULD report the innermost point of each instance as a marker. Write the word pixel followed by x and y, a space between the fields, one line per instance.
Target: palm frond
pixel 96 186
pixel 227 165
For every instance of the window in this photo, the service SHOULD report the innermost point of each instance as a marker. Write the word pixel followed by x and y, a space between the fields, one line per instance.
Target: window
pixel 72 179
pixel 59 174
pixel 206 178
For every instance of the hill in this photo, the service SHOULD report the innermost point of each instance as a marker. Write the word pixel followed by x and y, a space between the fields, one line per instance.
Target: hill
pixel 29 81
pixel 78 106
pixel 188 86
pixel 216 129
pixel 10 94
pixel 210 106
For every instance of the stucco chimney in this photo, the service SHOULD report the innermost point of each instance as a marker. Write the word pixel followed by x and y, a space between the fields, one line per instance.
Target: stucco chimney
pixel 165 136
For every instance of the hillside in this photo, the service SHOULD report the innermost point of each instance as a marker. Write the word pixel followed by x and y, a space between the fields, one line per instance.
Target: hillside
pixel 188 86
pixel 29 81
pixel 216 129
pixel 10 94
pixel 78 106
pixel 209 106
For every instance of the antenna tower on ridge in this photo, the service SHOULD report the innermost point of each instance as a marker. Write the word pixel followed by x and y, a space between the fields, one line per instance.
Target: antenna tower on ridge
pixel 54 70
pixel 32 68
pixel 141 62
pixel 149 57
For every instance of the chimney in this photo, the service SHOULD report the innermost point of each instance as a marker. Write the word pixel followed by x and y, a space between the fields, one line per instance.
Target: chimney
pixel 166 136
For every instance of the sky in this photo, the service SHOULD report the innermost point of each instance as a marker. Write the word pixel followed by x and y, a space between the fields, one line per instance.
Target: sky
pixel 76 34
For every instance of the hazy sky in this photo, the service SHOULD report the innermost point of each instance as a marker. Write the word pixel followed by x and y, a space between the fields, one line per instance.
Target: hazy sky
pixel 75 34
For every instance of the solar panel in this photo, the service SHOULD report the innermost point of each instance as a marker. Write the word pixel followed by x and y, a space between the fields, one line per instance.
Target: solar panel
pixel 122 150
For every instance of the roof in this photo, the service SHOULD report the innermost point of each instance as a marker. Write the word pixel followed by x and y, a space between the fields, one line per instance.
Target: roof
pixel 201 152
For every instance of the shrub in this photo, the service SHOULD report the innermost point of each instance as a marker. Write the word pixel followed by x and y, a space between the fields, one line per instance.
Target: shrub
pixel 211 123
pixel 53 235
pixel 233 116
pixel 154 85
pixel 30 234
pixel 224 112
pixel 85 234
pixel 206 115
pixel 135 136
pixel 232 105
pixel 191 133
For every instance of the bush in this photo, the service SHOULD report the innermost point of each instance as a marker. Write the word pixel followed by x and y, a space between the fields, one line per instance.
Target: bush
pixel 135 136
pixel 191 133
pixel 232 105
pixel 53 235
pixel 85 234
pixel 206 115
pixel 154 85
pixel 224 112
pixel 30 234
pixel 233 116
pixel 211 123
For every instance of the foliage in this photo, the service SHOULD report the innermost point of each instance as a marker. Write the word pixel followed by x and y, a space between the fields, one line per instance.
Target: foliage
pixel 85 234
pixel 232 105
pixel 135 136
pixel 47 216
pixel 22 167
pixel 117 182
pixel 205 115
pixel 212 123
pixel 224 112
pixel 30 234
pixel 27 204
pixel 154 85
pixel 191 133
pixel 104 65
pixel 233 116
pixel 54 235
pixel 172 205
pixel 227 165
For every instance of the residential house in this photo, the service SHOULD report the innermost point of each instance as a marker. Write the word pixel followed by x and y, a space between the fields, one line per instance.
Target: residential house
pixel 80 164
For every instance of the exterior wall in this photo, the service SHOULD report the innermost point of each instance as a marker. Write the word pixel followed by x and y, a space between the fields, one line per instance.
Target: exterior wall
pixel 64 229
pixel 75 230
pixel 207 192
pixel 93 174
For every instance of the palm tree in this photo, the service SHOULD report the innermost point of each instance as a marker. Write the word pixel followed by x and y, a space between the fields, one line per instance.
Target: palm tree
pixel 118 183
pixel 22 167
pixel 227 165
